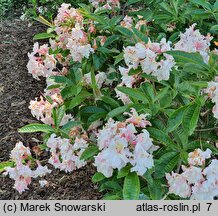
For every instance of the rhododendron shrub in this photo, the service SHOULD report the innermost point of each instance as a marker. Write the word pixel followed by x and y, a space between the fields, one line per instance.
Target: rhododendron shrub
pixel 139 105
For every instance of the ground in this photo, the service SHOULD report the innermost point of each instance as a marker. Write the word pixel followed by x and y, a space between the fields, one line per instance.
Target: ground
pixel 17 88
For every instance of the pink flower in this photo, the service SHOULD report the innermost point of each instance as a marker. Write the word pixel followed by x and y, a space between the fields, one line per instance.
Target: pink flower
pixel 178 185
pixel 137 120
pixel 198 157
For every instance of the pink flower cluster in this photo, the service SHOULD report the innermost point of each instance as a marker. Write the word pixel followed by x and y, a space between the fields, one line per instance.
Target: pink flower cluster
pixel 193 41
pixel 71 34
pixel 105 4
pixel 196 182
pixel 146 56
pixel 22 173
pixel 100 78
pixel 42 109
pixel 41 63
pixel 120 143
pixel 64 155
pixel 128 22
pixel 212 91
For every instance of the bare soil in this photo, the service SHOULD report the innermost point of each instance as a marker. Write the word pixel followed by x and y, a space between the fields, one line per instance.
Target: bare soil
pixel 17 88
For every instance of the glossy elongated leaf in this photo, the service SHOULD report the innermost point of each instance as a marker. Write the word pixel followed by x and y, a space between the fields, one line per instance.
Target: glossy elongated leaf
pixel 149 91
pixel 184 57
pixel 202 145
pixel 140 35
pixel 123 172
pixel 117 111
pixel 98 177
pixel 124 31
pixel 111 197
pixel 78 100
pixel 5 164
pixel 88 110
pixel 31 128
pixel 130 2
pixel 111 39
pixel 60 79
pixel 60 114
pixel 42 36
pixel 134 93
pixel 131 187
pixel 190 118
pixel 110 185
pixel 110 101
pixel 162 137
pixel 214 28
pixel 175 119
pixel 203 3
pixel 96 117
pixel 155 190
pixel 70 91
pixel 167 8
pixel 162 93
pixel 166 164
pixel 89 152
pixel 70 125
pixel 118 58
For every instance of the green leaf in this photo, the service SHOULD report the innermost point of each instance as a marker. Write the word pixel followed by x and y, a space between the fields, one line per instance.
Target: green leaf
pixel 167 8
pixel 110 101
pixel 76 101
pixel 162 93
pixel 123 172
pixel 53 86
pixel 162 137
pixel 202 3
pixel 175 119
pixel 60 79
pixel 96 117
pixel 140 35
pixel 149 91
pixel 134 93
pixel 31 128
pixel 117 111
pixel 111 39
pixel 118 58
pixel 98 61
pixel 166 163
pixel 5 164
pixel 89 152
pixel 155 190
pixel 126 32
pixel 184 57
pixel 42 36
pixel 214 28
pixel 111 197
pixel 70 91
pixel 88 110
pixel 98 177
pixel 60 114
pixel 131 187
pixel 202 145
pixel 130 2
pixel 110 185
pixel 190 118
pixel 71 124
pixel 148 176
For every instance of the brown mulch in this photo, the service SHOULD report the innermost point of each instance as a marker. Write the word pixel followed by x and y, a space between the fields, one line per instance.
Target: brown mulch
pixel 17 88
